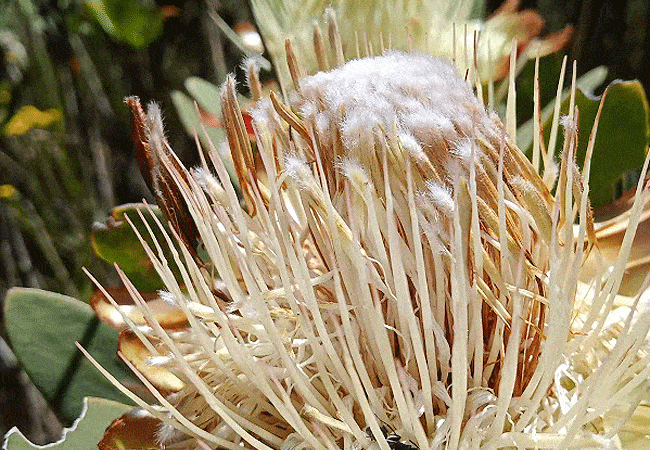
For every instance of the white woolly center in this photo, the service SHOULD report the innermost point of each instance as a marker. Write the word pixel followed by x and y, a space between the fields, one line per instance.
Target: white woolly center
pixel 424 97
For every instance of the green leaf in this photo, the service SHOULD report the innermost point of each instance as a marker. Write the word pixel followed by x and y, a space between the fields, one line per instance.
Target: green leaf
pixel 43 328
pixel 187 112
pixel 85 432
pixel 115 242
pixel 190 118
pixel 550 68
pixel 587 83
pixel 549 73
pixel 208 98
pixel 621 140
pixel 207 94
pixel 128 21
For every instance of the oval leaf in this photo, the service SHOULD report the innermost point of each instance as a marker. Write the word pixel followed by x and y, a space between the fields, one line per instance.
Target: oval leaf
pixel 622 137
pixel 85 432
pixel 190 119
pixel 115 242
pixel 189 116
pixel 43 328
pixel 610 236
pixel 206 93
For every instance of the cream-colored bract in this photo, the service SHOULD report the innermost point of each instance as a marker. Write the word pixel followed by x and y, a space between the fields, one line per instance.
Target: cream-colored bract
pixel 398 267
pixel 443 28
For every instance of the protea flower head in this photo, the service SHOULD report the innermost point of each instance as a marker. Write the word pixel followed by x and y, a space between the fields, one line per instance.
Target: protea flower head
pixel 395 275
pixel 441 28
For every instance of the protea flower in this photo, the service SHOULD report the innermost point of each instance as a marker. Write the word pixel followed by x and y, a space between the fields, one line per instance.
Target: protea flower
pixel 441 28
pixel 394 275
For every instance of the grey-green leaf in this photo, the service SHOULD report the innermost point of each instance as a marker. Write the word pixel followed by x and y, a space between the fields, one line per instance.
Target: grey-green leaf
pixel 621 139
pixel 587 83
pixel 117 243
pixel 85 432
pixel 192 122
pixel 207 94
pixel 42 328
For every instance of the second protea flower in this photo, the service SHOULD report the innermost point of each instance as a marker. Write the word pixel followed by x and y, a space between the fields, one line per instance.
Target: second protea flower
pixel 397 275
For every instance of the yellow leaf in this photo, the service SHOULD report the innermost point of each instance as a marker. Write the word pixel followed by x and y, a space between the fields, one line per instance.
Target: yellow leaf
pixel 29 117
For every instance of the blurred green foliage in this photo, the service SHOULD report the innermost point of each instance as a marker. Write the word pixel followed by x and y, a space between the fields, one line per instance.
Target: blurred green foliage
pixel 129 21
pixel 66 150
pixel 115 242
pixel 65 135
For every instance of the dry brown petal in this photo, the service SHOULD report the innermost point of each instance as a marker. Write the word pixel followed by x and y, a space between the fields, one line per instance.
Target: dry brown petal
pixel 167 315
pixel 610 232
pixel 240 145
pixel 135 430
pixel 133 433
pixel 527 24
pixel 142 149
pixel 157 176
pixel 209 120
pixel 131 348
pixel 638 265
pixel 168 11
pixel 620 205
pixel 507 7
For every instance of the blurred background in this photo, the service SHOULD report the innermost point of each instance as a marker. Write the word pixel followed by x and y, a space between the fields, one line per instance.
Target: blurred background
pixel 66 149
